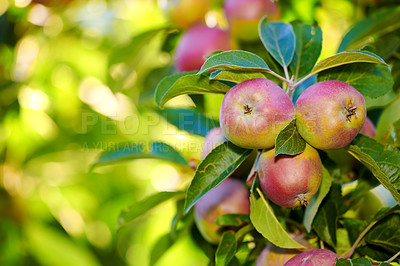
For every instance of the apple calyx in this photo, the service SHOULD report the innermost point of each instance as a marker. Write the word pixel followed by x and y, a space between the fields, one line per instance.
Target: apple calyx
pixel 247 109
pixel 350 111
pixel 303 200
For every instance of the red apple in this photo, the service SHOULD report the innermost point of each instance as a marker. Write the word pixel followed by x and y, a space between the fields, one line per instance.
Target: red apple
pixel 231 196
pixel 244 15
pixel 254 112
pixel 329 114
pixel 288 180
pixel 197 43
pixel 313 257
pixel 185 13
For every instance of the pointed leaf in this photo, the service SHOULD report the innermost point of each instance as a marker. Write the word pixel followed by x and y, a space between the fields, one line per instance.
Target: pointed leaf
pixel 308 49
pixel 184 83
pixel 376 25
pixel 190 120
pixel 238 76
pixel 289 141
pixel 386 233
pixel 141 207
pixel 219 164
pixel 279 40
pixel 315 202
pixel 344 58
pixel 263 218
pixel 129 151
pixel 384 164
pixel 355 262
pixel 363 77
pixel 226 249
pixel 238 60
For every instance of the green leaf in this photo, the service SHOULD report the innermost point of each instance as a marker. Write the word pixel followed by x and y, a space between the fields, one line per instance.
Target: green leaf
pixel 279 40
pixel 386 233
pixel 219 164
pixel 375 25
pixel 236 60
pixel 289 141
pixel 265 222
pixel 238 76
pixel 141 207
pixel 325 221
pixel 315 202
pixel 355 262
pixel 233 219
pixel 226 249
pixel 363 77
pixel 190 120
pixel 384 164
pixel 186 83
pixel 308 49
pixel 128 151
pixel 345 58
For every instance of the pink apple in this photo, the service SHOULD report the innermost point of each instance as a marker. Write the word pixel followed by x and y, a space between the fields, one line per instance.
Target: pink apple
pixel 197 43
pixel 254 112
pixel 185 13
pixel 231 196
pixel 315 257
pixel 329 114
pixel 287 180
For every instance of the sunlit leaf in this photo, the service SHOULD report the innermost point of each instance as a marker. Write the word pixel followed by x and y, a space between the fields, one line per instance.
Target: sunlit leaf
pixel 308 49
pixel 233 219
pixel 238 76
pixel 215 168
pixel 279 40
pixel 315 202
pixel 265 222
pixel 226 249
pixel 175 85
pixel 141 207
pixel 129 151
pixel 289 141
pixel 237 60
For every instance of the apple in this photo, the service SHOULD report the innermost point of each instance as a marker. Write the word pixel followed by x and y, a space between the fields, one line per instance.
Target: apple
pixel 197 43
pixel 275 256
pixel 329 114
pixel 185 13
pixel 313 257
pixel 231 196
pixel 290 180
pixel 253 113
pixel 243 16
pixel 368 129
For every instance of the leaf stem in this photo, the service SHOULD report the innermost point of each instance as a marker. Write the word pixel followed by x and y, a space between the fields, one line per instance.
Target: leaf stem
pixel 253 169
pixel 392 258
pixel 302 80
pixel 350 252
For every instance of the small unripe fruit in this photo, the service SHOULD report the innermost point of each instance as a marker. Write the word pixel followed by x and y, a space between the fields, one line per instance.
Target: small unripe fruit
pixel 315 257
pixel 254 112
pixel 231 196
pixel 184 13
pixel 197 43
pixel 329 114
pixel 290 181
pixel 244 15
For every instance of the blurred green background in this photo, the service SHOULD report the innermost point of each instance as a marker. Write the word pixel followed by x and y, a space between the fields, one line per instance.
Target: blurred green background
pixel 77 78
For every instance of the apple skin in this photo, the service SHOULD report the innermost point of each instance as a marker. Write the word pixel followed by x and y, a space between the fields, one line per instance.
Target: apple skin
pixel 287 180
pixel 275 256
pixel 368 129
pixel 185 13
pixel 243 16
pixel 197 43
pixel 329 114
pixel 231 196
pixel 313 257
pixel 254 112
